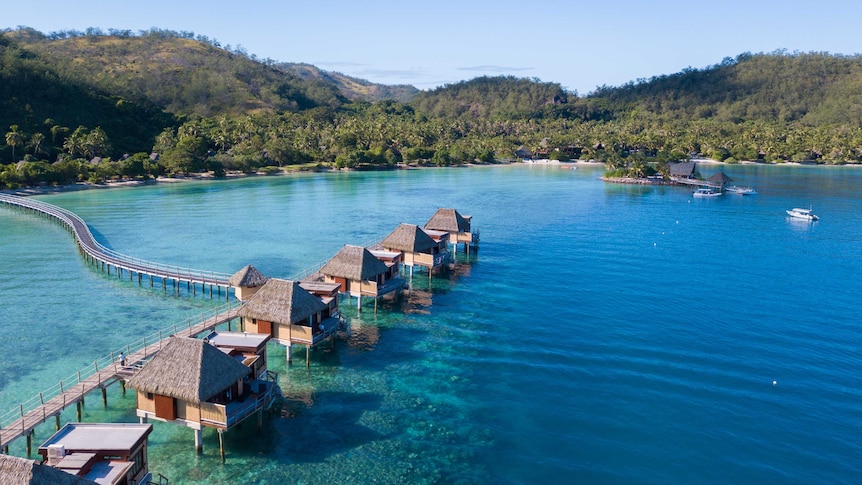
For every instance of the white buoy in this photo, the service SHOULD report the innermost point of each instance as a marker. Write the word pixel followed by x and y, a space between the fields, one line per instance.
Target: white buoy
pixel 653 244
pixel 774 383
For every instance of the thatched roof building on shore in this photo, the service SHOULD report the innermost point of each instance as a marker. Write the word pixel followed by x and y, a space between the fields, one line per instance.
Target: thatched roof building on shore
pixel 683 170
pixel 247 281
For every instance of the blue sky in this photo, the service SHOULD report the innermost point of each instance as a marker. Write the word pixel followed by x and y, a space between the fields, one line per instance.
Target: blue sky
pixel 578 44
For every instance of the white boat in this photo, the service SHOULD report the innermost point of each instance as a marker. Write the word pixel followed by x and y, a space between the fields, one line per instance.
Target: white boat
pixel 705 192
pixel 735 189
pixel 805 214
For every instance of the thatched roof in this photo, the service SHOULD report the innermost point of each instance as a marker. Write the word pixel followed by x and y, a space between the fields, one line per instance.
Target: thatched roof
pixel 248 277
pixel 21 471
pixel 188 369
pixel 408 237
pixel 448 220
pixel 281 301
pixel 720 178
pixel 684 169
pixel 354 263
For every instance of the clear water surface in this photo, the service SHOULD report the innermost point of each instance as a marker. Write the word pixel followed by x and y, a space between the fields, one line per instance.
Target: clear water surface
pixel 602 333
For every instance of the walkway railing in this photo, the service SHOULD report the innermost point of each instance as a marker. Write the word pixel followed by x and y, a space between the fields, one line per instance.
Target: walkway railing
pixel 107 369
pixel 94 249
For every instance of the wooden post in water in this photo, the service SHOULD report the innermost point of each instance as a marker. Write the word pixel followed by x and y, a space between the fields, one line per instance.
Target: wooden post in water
pixel 30 442
pixel 221 444
pixel 288 354
pixel 307 356
pixel 199 441
pixel 78 406
pixel 105 396
pixel 57 419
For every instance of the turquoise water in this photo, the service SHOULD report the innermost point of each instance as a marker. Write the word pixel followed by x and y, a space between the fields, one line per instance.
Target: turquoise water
pixel 603 333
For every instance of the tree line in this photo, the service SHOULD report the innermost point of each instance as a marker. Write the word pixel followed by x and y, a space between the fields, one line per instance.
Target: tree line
pixel 768 107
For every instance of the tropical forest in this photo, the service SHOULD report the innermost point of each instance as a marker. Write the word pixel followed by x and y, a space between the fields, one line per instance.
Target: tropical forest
pixel 98 106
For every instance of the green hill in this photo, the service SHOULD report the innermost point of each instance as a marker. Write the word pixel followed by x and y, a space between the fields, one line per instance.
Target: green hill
pixel 351 87
pixel 808 88
pixel 491 97
pixel 181 75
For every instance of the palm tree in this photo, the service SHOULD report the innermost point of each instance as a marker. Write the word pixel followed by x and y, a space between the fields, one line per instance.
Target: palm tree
pixel 14 138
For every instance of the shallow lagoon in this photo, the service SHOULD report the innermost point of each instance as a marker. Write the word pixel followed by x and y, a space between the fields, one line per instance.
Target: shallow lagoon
pixel 603 332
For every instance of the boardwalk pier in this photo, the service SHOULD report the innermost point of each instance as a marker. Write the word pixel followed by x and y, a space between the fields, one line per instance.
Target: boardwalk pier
pixel 101 374
pixel 104 258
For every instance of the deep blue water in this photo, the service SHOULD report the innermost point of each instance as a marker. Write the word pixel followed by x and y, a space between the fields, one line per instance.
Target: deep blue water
pixel 602 333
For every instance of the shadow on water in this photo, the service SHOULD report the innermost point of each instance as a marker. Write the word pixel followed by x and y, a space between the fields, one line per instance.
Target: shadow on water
pixel 326 425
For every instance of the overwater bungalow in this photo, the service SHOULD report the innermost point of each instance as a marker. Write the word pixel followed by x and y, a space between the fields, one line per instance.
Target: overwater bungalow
pixel 246 282
pixel 360 273
pixel 458 227
pixel 21 471
pixel 291 315
pixel 417 247
pixel 192 383
pixel 104 453
pixel 249 349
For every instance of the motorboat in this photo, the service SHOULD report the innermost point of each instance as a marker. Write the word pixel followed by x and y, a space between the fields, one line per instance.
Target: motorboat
pixel 706 192
pixel 805 214
pixel 735 189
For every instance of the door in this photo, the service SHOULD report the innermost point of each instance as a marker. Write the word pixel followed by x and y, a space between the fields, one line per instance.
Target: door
pixel 166 407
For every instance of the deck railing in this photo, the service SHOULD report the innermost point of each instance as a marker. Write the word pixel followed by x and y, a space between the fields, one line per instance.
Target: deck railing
pixel 149 345
pixel 88 243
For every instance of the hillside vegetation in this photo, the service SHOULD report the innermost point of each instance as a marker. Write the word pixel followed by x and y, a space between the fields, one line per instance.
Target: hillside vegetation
pixel 75 103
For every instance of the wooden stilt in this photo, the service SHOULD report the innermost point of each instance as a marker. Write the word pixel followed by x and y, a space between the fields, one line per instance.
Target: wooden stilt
pixel 123 385
pixel 375 305
pixel 221 444
pixel 260 420
pixel 30 443
pixel 211 292
pixel 78 406
pixel 307 356
pixel 57 421
pixel 105 396
pixel 199 441
pixel 289 360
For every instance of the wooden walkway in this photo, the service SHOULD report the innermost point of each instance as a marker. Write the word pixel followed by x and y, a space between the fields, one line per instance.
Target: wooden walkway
pixel 105 258
pixel 53 401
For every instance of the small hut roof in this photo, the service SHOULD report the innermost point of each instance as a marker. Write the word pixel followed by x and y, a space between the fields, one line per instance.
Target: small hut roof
pixel 354 263
pixel 683 169
pixel 21 471
pixel 188 369
pixel 448 220
pixel 281 301
pixel 720 178
pixel 408 237
pixel 248 277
